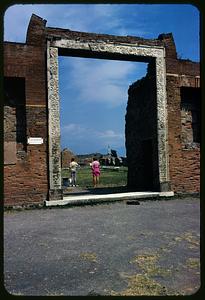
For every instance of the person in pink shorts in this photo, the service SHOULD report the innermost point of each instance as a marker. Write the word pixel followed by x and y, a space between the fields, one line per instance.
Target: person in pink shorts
pixel 95 166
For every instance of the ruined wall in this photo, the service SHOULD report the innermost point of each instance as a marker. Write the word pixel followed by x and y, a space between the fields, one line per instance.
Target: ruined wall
pixel 141 134
pixel 66 156
pixel 25 115
pixel 184 153
pixel 26 176
pixel 183 124
pixel 59 33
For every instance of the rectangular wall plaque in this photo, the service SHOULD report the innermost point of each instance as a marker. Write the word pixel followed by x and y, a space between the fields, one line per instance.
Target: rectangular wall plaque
pixel 35 140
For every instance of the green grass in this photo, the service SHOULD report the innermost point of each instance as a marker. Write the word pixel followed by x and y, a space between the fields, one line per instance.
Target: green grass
pixel 108 177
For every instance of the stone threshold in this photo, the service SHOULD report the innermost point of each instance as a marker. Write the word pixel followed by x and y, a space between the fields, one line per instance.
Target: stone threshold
pixel 92 199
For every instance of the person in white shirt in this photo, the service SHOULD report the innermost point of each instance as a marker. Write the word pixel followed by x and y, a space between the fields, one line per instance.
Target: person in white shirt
pixel 73 167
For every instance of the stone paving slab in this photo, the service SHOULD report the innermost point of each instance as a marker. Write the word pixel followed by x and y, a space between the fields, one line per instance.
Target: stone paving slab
pixel 91 199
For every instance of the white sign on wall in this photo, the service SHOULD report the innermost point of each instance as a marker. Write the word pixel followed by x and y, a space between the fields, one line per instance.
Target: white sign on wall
pixel 35 140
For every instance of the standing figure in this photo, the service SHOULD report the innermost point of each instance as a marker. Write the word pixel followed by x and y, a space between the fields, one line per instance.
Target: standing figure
pixel 95 166
pixel 73 167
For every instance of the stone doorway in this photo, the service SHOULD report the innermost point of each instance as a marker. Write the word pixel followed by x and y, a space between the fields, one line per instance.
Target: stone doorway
pixel 109 50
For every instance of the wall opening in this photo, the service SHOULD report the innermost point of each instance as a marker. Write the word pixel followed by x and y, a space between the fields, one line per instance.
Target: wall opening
pixel 142 133
pixel 98 49
pixel 147 164
pixel 190 116
pixel 14 119
pixel 93 101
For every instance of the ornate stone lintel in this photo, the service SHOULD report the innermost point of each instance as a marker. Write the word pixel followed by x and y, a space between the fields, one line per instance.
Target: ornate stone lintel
pixel 117 48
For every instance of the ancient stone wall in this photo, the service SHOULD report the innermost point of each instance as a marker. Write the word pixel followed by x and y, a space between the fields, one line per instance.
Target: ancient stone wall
pixel 25 116
pixel 31 114
pixel 184 161
pixel 141 134
pixel 66 156
pixel 183 126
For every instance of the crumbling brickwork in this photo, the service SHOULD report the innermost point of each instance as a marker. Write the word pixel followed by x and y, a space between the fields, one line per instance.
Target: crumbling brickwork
pixel 183 124
pixel 25 115
pixel 184 161
pixel 141 135
pixel 28 165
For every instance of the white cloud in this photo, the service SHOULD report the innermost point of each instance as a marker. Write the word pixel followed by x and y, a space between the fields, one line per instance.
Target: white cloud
pixel 110 134
pixel 78 136
pixel 78 129
pixel 102 81
pixel 100 18
pixel 74 129
pixel 81 134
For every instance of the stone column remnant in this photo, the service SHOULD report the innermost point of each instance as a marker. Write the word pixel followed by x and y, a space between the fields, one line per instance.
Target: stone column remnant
pixel 54 123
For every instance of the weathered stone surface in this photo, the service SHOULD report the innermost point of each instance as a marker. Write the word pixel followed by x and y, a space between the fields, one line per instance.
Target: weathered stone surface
pixel 9 123
pixel 157 120
pixel 53 119
pixel 9 153
pixel 55 194
pixel 184 153
pixel 126 50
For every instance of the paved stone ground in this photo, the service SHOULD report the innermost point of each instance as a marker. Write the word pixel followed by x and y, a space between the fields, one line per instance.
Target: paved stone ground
pixel 109 249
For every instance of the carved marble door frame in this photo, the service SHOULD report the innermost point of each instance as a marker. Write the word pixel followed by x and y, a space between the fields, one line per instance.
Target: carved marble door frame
pixel 126 50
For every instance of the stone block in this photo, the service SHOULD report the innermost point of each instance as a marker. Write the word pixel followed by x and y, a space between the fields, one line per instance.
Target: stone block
pixel 10 153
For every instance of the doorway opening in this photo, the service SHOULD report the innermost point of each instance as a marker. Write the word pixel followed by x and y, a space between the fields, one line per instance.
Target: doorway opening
pixel 151 54
pixel 93 102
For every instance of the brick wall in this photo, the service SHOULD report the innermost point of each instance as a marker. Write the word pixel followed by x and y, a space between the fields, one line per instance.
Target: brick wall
pixel 184 148
pixel 26 166
pixel 184 161
pixel 25 169
pixel 141 134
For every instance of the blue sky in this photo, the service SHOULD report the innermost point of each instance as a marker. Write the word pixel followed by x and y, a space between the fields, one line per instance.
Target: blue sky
pixel 93 92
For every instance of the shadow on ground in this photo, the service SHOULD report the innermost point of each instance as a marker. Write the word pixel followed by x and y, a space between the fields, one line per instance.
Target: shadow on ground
pixel 96 191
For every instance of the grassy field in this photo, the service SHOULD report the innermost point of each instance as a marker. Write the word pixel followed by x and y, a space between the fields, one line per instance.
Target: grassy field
pixel 109 177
